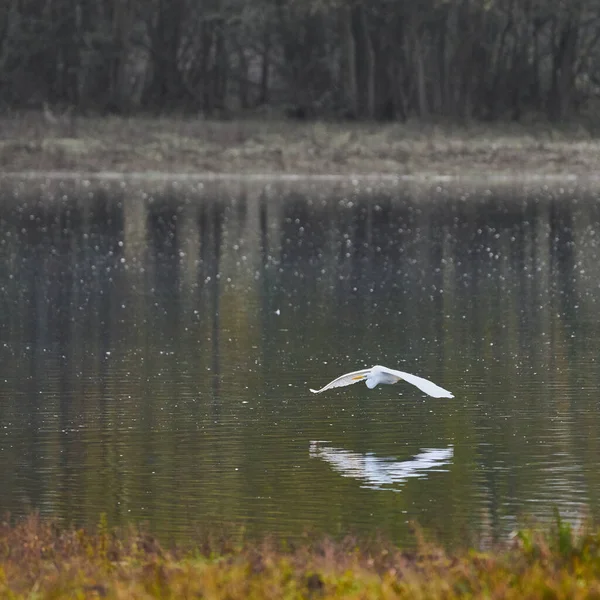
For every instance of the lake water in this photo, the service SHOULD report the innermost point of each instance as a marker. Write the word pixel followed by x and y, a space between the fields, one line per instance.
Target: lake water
pixel 158 342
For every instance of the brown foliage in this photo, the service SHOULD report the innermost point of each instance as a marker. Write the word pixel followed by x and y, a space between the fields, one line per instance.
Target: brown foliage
pixel 39 559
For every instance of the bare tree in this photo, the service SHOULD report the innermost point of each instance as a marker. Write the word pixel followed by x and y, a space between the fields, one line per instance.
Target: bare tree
pixel 463 59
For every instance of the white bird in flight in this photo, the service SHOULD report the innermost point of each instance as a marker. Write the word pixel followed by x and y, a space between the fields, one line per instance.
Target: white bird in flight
pixel 378 374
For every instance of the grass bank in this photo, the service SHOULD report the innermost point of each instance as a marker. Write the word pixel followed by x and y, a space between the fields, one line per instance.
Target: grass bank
pixel 34 141
pixel 42 561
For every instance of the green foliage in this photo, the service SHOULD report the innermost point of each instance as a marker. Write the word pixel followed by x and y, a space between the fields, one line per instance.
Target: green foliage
pixel 564 543
pixel 48 562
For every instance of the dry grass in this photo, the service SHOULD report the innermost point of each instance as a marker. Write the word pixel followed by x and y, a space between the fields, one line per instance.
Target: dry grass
pixel 39 560
pixel 194 145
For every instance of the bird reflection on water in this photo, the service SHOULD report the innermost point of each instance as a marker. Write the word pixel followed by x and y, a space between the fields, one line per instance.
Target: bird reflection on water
pixel 381 472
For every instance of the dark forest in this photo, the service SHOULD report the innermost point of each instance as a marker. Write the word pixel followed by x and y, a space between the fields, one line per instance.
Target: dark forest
pixel 383 59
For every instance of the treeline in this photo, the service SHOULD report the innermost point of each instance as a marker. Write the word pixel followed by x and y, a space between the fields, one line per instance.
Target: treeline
pixel 365 59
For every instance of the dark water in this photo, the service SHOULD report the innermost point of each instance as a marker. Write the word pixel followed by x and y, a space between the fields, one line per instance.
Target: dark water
pixel 157 344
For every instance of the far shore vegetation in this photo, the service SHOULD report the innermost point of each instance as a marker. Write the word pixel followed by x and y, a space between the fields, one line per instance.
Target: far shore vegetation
pixel 42 560
pixel 32 141
pixel 305 86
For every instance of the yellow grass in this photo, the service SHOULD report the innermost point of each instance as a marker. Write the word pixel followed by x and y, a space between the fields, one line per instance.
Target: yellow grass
pixel 195 145
pixel 39 560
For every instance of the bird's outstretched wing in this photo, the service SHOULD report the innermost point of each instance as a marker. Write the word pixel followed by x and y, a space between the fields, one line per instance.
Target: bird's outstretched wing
pixel 430 388
pixel 343 380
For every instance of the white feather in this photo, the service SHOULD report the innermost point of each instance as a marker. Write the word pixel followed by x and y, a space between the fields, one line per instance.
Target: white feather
pixel 426 386
pixel 378 374
pixel 344 380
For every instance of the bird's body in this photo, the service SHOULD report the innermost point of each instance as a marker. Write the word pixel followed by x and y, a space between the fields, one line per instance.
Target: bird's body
pixel 378 374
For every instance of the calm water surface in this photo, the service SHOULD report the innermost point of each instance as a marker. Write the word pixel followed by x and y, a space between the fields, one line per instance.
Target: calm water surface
pixel 157 343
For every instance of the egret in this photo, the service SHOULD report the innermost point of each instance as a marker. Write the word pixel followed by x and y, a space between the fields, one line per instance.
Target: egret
pixel 378 374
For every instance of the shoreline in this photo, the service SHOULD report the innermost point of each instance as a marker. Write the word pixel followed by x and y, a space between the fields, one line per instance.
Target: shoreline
pixel 41 559
pixel 275 177
pixel 268 149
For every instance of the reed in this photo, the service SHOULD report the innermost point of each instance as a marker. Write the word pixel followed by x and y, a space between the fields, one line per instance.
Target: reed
pixel 41 142
pixel 39 559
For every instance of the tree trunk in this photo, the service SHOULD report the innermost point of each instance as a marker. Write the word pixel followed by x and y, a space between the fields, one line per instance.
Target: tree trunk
pixel 367 64
pixel 423 105
pixel 243 78
pixel 562 94
pixel 119 92
pixel 207 42
pixel 265 70
pixel 348 70
pixel 166 88
pixel 221 69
